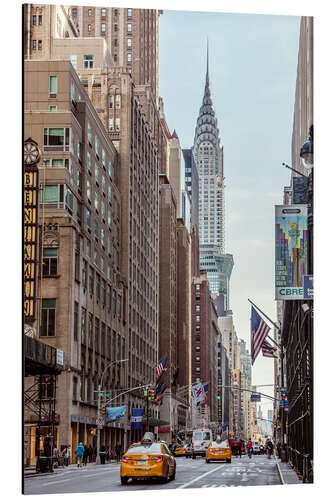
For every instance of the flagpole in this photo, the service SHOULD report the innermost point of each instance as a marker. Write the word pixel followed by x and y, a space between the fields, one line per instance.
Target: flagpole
pixel 273 323
pixel 281 385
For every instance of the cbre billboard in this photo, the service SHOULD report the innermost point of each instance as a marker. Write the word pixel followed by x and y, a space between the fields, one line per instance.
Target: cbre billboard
pixel 291 251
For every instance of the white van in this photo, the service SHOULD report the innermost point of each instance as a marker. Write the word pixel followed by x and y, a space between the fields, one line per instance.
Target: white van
pixel 200 441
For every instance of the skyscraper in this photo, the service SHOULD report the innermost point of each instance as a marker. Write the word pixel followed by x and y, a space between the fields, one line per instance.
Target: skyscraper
pixel 208 155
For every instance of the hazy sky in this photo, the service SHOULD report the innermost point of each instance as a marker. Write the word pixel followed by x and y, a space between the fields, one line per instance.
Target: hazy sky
pixel 252 66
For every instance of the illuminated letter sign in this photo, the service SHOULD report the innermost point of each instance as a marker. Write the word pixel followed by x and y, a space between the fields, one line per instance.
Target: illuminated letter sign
pixel 31 185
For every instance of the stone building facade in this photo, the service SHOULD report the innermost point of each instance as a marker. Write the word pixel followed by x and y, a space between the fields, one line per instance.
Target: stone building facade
pixel 83 295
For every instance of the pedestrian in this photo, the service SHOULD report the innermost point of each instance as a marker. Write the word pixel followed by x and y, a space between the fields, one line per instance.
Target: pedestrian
pixel 79 454
pixel 90 453
pixel 270 448
pixel 118 451
pixel 249 448
pixel 85 455
pixel 278 448
pixel 102 454
pixel 55 455
pixel 65 454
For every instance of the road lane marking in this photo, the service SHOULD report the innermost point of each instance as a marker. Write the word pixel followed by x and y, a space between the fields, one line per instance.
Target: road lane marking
pixel 200 477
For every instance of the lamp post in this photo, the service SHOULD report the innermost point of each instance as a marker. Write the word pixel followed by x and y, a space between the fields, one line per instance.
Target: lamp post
pixel 98 459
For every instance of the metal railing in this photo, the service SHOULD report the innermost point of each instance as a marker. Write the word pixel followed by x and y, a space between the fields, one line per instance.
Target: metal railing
pixel 39 352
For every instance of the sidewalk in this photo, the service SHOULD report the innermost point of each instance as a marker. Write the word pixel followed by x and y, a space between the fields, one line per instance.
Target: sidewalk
pixel 31 471
pixel 287 473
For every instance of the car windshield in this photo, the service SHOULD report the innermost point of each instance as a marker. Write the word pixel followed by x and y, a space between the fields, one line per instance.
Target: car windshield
pixel 197 436
pixel 153 448
pixel 221 444
pixel 206 435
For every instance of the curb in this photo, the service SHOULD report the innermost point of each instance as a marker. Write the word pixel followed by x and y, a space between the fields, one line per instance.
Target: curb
pixel 279 471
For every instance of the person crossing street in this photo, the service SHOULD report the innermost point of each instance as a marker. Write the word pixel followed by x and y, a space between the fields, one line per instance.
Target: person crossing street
pixel 249 448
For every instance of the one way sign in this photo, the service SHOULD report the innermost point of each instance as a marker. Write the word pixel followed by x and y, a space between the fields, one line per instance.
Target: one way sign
pixel 308 287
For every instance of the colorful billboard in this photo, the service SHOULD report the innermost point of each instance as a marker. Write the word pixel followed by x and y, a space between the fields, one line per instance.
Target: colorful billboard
pixel 291 251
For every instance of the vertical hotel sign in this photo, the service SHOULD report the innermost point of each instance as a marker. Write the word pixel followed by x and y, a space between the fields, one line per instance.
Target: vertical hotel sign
pixel 31 187
pixel 291 251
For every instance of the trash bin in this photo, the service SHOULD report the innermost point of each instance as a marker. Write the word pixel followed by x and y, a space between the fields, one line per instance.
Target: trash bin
pixel 44 464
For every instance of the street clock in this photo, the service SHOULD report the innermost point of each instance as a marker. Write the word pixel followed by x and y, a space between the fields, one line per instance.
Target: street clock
pixel 31 152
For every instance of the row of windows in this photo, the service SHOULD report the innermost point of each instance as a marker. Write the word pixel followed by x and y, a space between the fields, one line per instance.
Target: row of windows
pixel 103 12
pixel 40 20
pixel 34 45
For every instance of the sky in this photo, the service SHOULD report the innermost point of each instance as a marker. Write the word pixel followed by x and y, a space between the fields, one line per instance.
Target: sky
pixel 252 70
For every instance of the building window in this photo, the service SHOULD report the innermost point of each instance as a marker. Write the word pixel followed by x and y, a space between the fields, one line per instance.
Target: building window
pixel 74 12
pixel 129 58
pixel 73 60
pixel 83 325
pixel 129 28
pixel 34 20
pixel 129 12
pixel 91 280
pixel 84 273
pixel 117 101
pixel 74 388
pixel 111 126
pixel 88 61
pixel 53 108
pixel 89 135
pixel 116 27
pixel 50 261
pixel 89 27
pixel 103 27
pixel 34 46
pixel 40 20
pixel 197 308
pixel 197 319
pixel 53 88
pixel 197 369
pixel 98 287
pixel 56 139
pixel 76 320
pixel 103 12
pixel 47 328
pixel 118 124
pixel 90 330
pixel 96 335
pixel 129 43
pixel 39 44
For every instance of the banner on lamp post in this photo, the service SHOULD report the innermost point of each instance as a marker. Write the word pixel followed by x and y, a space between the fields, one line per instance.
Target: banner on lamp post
pixel 291 251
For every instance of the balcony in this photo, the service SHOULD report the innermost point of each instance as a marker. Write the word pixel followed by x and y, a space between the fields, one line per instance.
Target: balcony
pixel 41 358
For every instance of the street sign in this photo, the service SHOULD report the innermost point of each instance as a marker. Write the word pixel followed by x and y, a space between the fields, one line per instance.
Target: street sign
pixel 100 421
pixel 255 397
pixel 308 287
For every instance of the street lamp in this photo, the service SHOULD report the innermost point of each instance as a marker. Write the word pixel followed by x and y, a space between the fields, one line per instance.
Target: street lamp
pixel 98 459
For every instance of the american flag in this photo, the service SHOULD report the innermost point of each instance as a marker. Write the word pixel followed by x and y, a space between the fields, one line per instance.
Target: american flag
pixel 224 432
pixel 160 366
pixel 259 332
pixel 268 350
pixel 198 393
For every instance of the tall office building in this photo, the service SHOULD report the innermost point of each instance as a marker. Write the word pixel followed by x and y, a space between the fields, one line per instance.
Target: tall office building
pixel 208 155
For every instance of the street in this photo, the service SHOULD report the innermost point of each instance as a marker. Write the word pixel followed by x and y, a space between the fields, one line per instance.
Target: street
pixel 257 471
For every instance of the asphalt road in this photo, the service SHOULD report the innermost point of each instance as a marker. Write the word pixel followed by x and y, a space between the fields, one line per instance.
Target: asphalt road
pixel 190 473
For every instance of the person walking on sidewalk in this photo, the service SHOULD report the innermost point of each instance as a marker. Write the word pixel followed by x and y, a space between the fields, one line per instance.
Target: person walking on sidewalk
pixel 85 455
pixel 79 454
pixel 66 454
pixel 270 448
pixel 278 449
pixel 249 448
pixel 118 451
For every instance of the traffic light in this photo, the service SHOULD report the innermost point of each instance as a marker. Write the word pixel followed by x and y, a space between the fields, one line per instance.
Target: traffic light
pixel 151 394
pixel 103 410
pixel 219 395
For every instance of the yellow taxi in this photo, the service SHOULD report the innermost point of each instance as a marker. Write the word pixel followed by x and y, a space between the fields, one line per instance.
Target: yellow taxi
pixel 218 450
pixel 148 459
pixel 180 450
